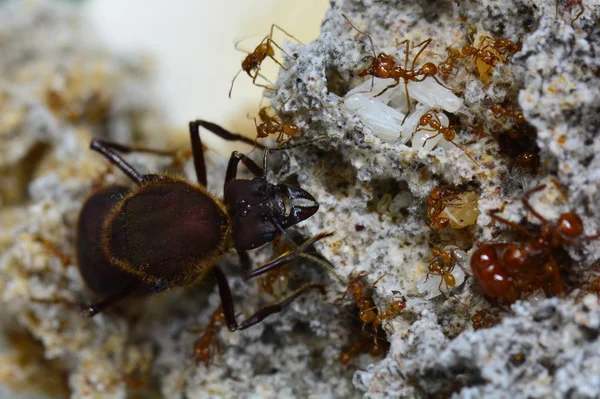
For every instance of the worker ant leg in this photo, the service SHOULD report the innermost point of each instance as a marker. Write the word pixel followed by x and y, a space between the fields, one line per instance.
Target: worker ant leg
pixel 515 226
pixel 527 205
pixel 261 314
pixel 281 260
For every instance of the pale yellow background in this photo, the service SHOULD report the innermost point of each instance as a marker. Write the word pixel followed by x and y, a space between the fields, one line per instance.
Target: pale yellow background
pixel 192 42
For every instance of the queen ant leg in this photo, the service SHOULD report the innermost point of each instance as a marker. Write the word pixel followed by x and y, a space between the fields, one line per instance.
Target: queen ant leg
pixel 281 260
pixel 105 148
pixel 111 300
pixel 261 314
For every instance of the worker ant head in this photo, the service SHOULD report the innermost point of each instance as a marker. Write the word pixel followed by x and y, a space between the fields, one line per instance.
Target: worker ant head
pixel 260 211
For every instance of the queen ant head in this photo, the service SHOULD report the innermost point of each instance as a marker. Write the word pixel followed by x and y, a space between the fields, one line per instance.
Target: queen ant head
pixel 260 211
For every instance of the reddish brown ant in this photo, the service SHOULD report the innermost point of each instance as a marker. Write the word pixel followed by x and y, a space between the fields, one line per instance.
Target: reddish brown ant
pixel 503 46
pixel 433 121
pixel 507 270
pixel 253 61
pixel 442 265
pixel 168 232
pixel 500 111
pixel 271 125
pixel 368 312
pixel 480 53
pixel 569 6
pixel 384 66
pixel 446 67
pixel 206 346
pixel 361 345
pixel 485 318
pixel 445 204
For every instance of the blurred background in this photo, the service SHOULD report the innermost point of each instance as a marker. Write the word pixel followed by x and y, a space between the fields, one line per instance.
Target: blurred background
pixel 191 43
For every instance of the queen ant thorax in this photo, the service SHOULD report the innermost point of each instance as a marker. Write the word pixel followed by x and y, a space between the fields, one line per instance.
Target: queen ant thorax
pixel 253 62
pixel 383 66
pixel 430 121
pixel 507 271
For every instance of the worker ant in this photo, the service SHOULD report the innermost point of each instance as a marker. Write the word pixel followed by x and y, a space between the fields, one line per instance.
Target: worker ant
pixel 431 119
pixel 206 346
pixel 569 6
pixel 505 271
pixel 368 312
pixel 253 61
pixel 383 66
pixel 443 263
pixel 271 125
pixel 451 207
pixel 446 67
pixel 169 232
pixel 500 111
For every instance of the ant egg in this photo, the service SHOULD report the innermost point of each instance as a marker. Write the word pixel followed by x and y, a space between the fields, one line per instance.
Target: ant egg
pixel 384 114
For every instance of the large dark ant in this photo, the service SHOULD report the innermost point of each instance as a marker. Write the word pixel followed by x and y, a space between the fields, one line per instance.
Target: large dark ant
pixel 507 270
pixel 169 232
pixel 383 66
pixel 253 61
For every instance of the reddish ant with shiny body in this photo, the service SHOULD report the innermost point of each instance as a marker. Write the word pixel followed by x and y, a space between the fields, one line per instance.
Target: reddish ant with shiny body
pixel 367 310
pixel 271 125
pixel 446 67
pixel 569 6
pixel 435 205
pixel 253 61
pixel 507 270
pixel 206 346
pixel 383 66
pixel 433 121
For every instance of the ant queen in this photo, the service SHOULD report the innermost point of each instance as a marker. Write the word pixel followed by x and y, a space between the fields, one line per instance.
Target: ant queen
pixel 169 232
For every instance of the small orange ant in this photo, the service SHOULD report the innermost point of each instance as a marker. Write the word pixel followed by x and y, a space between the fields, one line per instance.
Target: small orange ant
pixel 485 318
pixel 447 66
pixel 384 66
pixel 271 125
pixel 442 265
pixel 253 61
pixel 503 46
pixel 207 344
pixel 480 53
pixel 433 121
pixel 499 111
